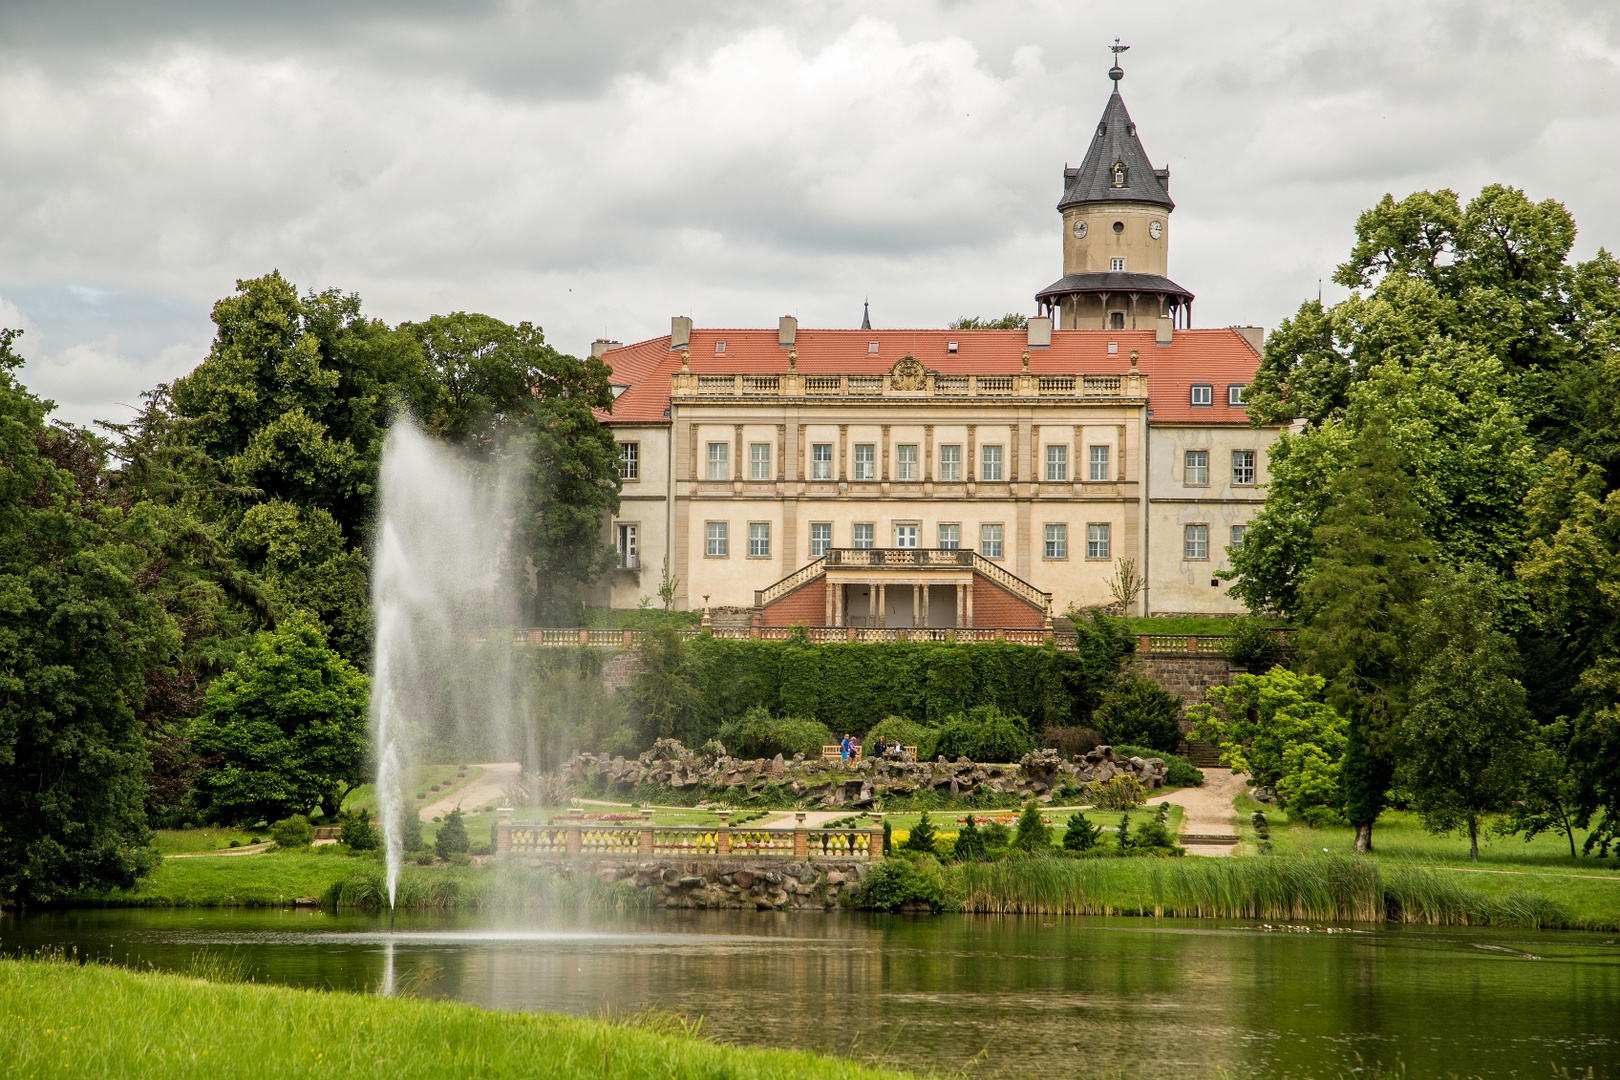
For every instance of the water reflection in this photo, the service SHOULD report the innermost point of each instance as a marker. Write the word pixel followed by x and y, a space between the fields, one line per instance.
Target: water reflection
pixel 1013 996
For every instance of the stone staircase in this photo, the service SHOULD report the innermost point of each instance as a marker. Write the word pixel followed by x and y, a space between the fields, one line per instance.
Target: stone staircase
pixel 1203 755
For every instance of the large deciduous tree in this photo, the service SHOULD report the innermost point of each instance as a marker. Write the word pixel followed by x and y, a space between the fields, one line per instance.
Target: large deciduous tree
pixel 77 639
pixel 1466 738
pixel 285 729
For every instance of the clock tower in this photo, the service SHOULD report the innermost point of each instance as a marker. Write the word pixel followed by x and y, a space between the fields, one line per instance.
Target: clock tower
pixel 1116 234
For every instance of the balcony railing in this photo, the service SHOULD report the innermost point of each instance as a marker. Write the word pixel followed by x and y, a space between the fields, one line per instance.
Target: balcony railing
pixel 796 385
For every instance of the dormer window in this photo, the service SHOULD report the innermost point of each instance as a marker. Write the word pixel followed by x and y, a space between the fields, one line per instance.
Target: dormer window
pixel 719 346
pixel 1119 173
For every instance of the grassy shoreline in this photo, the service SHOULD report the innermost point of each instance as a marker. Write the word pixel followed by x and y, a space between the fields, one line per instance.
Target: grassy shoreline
pixel 65 1019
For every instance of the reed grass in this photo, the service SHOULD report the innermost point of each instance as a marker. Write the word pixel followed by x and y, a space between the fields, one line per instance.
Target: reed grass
pixel 1330 888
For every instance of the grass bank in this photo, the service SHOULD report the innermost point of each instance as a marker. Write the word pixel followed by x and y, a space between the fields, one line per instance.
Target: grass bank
pixel 1326 888
pixel 63 1019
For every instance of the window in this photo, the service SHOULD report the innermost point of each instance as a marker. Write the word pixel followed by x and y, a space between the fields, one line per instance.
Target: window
pixel 719 461
pixel 1203 394
pixel 1098 544
pixel 820 538
pixel 950 537
pixel 759 539
pixel 629 460
pixel 759 461
pixel 1116 320
pixel 905 461
pixel 990 541
pixel 905 536
pixel 719 346
pixel 1057 463
pixel 871 347
pixel 989 463
pixel 717 544
pixel 863 535
pixel 629 553
pixel 1243 466
pixel 1234 394
pixel 1116 265
pixel 1238 532
pixel 1195 542
pixel 950 462
pixel 1197 467
pixel 1099 465
pixel 821 461
pixel 1057 541
pixel 865 457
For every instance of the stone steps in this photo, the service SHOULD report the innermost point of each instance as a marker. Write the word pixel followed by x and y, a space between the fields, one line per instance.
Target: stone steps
pixel 1203 755
pixel 1212 839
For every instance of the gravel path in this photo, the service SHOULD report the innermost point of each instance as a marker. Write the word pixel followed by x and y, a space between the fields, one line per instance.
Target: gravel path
pixel 813 819
pixel 484 788
pixel 1208 808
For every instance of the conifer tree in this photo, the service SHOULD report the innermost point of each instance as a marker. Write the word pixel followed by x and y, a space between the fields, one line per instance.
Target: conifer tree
pixel 1081 834
pixel 921 837
pixel 969 842
pixel 1033 833
pixel 1361 603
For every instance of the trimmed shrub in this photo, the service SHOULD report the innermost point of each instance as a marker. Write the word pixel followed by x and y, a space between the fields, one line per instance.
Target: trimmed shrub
pixel 452 836
pixel 984 733
pixel 1139 711
pixel 1154 836
pixel 293 832
pixel 898 731
pixel 1033 834
pixel 894 883
pixel 1253 645
pixel 760 735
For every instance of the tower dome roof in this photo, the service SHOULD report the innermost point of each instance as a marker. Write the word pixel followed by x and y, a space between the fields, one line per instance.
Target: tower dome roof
pixel 1116 168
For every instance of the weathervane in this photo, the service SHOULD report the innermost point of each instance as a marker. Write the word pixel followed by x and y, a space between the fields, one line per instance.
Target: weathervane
pixel 1116 72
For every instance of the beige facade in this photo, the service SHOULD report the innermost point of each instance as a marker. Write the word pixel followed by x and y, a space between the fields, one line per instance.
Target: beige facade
pixel 1100 238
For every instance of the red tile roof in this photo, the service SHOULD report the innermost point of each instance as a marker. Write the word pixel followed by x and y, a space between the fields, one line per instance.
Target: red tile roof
pixel 1218 356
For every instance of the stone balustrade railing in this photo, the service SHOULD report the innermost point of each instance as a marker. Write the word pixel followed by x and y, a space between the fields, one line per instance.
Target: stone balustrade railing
pixel 646 840
pixel 794 384
pixel 1148 644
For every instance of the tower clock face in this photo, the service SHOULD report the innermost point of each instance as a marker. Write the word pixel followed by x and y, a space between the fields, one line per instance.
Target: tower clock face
pixel 1156 229
pixel 1079 229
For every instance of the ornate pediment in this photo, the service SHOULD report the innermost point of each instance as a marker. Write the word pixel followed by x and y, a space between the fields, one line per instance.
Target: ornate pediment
pixel 908 373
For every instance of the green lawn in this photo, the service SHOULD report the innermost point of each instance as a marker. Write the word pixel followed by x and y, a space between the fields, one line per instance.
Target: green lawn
pixel 62 1019
pixel 639 618
pixel 184 841
pixel 418 782
pixel 268 879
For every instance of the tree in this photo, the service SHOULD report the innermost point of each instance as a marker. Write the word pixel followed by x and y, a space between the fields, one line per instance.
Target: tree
pixel 1361 601
pixel 1009 321
pixel 286 728
pixel 451 839
pixel 1033 833
pixel 921 837
pixel 1138 712
pixel 1276 728
pixel 1081 834
pixel 77 639
pixel 1467 734
pixel 969 842
pixel 665 698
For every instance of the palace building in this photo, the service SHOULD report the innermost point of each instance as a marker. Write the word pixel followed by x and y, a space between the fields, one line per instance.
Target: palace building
pixel 952 478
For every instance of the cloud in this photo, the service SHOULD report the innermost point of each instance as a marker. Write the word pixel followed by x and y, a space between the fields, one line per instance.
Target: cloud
pixel 599 167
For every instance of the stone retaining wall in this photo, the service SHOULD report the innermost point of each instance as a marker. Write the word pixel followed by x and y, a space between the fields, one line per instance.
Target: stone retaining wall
pixel 757 884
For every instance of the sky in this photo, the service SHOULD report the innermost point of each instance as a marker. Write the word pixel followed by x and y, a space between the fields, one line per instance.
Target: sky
pixel 596 168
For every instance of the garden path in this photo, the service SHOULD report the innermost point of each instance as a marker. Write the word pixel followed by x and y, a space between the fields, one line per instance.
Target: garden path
pixel 813 819
pixel 484 788
pixel 1208 808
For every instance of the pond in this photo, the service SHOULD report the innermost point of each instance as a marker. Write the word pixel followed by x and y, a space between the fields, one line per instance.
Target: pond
pixel 1015 997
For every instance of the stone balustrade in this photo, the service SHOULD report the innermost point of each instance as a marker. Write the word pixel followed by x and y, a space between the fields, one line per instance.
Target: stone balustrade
pixel 646 840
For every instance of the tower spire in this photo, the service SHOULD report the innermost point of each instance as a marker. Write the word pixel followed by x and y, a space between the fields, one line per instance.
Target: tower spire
pixel 866 315
pixel 1116 72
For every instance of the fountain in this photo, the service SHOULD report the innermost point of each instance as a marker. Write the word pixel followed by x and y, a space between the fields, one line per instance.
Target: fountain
pixel 444 607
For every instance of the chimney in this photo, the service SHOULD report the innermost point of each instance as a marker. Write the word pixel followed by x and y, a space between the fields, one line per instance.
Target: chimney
pixel 680 332
pixel 1255 336
pixel 1040 332
pixel 602 345
pixel 1166 332
pixel 787 329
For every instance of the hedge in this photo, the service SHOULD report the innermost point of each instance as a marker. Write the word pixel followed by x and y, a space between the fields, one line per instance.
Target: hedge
pixel 852 687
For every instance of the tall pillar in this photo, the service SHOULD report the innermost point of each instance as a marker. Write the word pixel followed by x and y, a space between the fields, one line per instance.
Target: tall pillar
pixel 959 610
pixel 829 587
pixel 967 603
pixel 923 619
pixel 916 606
pixel 838 604
pixel 872 605
pixel 882 604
